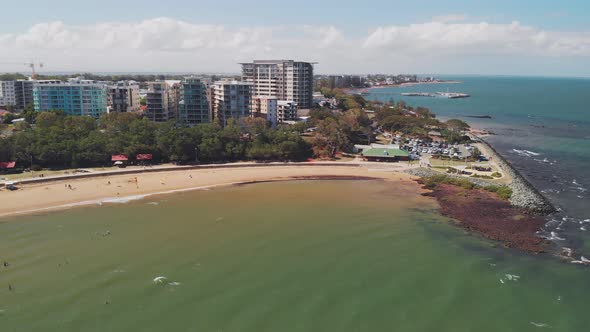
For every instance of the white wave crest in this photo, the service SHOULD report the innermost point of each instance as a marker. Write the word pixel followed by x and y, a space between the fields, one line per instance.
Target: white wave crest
pixel 160 280
pixel 540 324
pixel 526 153
pixel 583 260
pixel 554 236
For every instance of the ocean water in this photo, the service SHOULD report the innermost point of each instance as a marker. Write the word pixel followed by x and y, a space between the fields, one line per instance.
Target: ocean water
pixel 291 256
pixel 543 129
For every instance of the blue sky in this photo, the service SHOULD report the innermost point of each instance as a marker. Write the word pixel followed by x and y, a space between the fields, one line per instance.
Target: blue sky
pixel 554 14
pixel 549 38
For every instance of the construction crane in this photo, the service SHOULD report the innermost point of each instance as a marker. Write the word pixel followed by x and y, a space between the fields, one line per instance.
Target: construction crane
pixel 31 65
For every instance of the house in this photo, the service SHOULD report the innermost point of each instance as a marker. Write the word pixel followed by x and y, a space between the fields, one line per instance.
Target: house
pixel 385 154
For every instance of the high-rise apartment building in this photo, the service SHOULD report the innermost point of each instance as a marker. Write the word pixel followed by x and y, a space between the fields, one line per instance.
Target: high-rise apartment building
pixel 23 93
pixel 194 104
pixel 231 99
pixel 283 79
pixel 162 101
pixel 76 97
pixel 17 94
pixel 7 94
pixel 123 97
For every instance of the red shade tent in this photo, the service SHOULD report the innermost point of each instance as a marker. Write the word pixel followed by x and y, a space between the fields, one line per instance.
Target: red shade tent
pixel 144 156
pixel 119 157
pixel 7 164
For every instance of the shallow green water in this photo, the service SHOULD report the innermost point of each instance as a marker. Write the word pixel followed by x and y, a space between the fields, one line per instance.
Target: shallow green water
pixel 297 256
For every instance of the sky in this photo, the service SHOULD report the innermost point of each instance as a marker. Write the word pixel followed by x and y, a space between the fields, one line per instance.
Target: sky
pixel 524 37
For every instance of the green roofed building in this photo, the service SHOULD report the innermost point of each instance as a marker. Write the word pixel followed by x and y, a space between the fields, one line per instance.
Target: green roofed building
pixel 385 154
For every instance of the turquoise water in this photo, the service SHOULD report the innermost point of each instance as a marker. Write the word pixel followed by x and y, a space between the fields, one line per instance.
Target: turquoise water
pixel 543 129
pixel 296 256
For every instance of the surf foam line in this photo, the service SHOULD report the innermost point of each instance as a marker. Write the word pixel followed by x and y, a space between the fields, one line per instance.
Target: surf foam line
pixel 120 200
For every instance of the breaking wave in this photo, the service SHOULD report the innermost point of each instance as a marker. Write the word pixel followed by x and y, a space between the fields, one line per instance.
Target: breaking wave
pixel 526 153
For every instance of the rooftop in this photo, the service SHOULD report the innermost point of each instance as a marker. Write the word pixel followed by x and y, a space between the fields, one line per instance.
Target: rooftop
pixel 385 153
pixel 270 62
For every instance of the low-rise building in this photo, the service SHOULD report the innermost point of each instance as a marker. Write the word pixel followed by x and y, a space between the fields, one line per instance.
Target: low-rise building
pixel 385 154
pixel 266 108
pixel 286 111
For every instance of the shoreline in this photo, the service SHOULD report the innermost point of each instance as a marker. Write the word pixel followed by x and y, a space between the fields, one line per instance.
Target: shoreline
pixel 402 85
pixel 55 194
pixel 123 187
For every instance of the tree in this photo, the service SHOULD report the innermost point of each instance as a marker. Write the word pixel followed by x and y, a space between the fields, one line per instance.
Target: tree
pixel 8 118
pixel 29 113
pixel 329 138
pixel 457 125
pixel 476 153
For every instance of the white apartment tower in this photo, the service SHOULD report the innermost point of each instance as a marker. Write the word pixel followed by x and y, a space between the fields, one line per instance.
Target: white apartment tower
pixel 231 99
pixel 123 97
pixel 286 80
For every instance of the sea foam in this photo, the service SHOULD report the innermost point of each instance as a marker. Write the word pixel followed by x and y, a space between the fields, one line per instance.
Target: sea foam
pixel 526 153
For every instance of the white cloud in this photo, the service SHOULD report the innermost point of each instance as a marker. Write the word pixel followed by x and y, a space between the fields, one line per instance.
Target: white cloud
pixel 323 36
pixel 479 38
pixel 166 44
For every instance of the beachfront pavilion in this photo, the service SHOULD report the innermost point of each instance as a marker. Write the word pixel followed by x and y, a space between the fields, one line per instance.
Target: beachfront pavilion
pixel 385 154
pixel 6 166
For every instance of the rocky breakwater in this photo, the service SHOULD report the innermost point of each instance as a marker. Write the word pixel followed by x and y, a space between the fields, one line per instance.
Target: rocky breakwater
pixel 481 207
pixel 524 194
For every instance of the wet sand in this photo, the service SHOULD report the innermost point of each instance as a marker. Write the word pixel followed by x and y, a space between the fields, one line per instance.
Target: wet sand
pixel 66 193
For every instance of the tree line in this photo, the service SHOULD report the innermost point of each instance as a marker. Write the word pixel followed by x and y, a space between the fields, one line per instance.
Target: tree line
pixel 59 141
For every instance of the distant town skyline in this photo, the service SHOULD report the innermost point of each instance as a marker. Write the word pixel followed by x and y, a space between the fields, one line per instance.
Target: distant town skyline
pixel 537 38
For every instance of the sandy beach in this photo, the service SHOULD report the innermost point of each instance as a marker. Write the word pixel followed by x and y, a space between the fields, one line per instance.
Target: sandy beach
pixel 67 193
